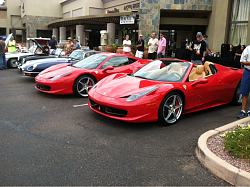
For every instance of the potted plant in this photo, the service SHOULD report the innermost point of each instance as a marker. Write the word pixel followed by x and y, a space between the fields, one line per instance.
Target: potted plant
pixel 119 49
pixel 110 47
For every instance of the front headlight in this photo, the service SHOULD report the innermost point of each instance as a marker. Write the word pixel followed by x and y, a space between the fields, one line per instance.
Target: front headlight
pixel 59 76
pixel 31 68
pixel 139 95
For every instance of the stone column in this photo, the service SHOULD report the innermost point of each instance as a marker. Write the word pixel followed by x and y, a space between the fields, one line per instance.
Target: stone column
pixel 111 32
pixel 80 32
pixel 62 33
pixel 55 32
pixel 120 37
pixel 72 33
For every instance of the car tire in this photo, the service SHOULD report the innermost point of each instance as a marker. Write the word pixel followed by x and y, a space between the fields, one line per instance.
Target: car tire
pixel 170 109
pixel 237 99
pixel 82 85
pixel 12 63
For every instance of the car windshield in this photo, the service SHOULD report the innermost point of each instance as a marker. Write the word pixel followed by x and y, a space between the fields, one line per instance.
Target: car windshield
pixel 32 49
pixel 76 55
pixel 167 71
pixel 58 51
pixel 91 62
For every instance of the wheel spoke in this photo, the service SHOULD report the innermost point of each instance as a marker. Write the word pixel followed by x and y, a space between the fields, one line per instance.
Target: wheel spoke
pixel 169 114
pixel 167 106
pixel 81 83
pixel 87 81
pixel 82 89
pixel 177 107
pixel 174 115
pixel 174 99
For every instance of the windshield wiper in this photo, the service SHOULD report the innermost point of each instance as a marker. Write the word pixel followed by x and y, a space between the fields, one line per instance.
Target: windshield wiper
pixel 140 77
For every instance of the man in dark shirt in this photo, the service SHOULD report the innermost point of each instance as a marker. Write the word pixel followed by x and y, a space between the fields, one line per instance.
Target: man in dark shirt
pixel 140 47
pixel 3 63
pixel 198 49
pixel 53 42
pixel 88 43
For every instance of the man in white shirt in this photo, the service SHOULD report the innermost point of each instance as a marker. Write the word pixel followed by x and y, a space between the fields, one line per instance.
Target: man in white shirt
pixel 245 82
pixel 152 46
pixel 127 46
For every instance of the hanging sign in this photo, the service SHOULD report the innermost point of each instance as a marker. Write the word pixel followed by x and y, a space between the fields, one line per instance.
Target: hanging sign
pixel 127 20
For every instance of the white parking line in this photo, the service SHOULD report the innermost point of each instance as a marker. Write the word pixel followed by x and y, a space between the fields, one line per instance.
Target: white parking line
pixel 80 105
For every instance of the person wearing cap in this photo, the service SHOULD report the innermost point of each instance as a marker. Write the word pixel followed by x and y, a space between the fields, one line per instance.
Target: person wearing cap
pixel 68 48
pixel 127 46
pixel 140 47
pixel 12 45
pixel 162 46
pixel 3 63
pixel 77 45
pixel 198 49
pixel 88 43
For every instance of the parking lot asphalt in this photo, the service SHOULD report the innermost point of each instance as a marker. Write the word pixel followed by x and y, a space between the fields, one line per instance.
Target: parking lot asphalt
pixel 57 140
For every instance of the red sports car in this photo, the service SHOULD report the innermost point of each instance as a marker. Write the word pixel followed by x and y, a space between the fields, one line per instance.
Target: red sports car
pixel 164 89
pixel 82 76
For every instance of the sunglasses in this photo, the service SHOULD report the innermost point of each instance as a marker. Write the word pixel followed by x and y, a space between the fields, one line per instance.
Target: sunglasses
pixel 161 35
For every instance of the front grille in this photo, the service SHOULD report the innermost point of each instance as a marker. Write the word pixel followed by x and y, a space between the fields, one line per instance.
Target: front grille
pixel 108 110
pixel 43 87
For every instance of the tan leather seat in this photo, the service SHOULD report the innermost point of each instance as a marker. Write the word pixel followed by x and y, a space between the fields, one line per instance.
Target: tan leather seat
pixel 199 73
pixel 207 68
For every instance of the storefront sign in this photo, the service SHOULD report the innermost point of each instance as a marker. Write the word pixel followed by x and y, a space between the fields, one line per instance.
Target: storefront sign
pixel 112 11
pixel 127 20
pixel 87 30
pixel 132 6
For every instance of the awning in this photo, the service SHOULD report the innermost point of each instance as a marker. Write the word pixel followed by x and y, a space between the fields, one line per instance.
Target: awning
pixel 99 19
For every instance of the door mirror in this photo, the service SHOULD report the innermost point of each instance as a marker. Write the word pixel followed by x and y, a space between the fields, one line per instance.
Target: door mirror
pixel 199 81
pixel 108 68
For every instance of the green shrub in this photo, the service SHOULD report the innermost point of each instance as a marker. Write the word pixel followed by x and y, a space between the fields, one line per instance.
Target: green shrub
pixel 238 142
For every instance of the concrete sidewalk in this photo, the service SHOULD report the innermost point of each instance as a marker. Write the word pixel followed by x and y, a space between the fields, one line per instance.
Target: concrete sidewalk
pixel 216 165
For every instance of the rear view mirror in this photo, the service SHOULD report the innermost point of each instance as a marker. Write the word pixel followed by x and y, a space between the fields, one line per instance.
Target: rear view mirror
pixel 199 81
pixel 108 68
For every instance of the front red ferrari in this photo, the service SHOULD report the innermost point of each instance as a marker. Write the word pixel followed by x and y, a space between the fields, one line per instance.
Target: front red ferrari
pixel 112 97
pixel 57 79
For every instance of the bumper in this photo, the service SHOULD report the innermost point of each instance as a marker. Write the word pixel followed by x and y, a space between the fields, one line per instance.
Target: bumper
pixel 30 74
pixel 117 108
pixel 54 87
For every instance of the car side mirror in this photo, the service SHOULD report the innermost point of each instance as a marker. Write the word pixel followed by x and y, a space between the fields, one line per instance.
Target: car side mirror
pixel 108 68
pixel 199 81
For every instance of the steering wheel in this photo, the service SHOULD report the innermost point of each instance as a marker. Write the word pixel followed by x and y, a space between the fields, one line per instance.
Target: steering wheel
pixel 177 75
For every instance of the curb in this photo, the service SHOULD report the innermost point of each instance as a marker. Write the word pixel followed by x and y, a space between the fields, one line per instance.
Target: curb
pixel 216 165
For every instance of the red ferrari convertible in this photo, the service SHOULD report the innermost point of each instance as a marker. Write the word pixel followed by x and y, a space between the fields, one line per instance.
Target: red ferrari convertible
pixel 82 76
pixel 164 89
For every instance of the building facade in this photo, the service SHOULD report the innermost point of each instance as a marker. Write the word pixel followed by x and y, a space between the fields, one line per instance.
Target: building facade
pixel 224 21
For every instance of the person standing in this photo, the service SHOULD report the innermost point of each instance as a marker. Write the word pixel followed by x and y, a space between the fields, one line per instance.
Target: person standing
pixel 231 51
pixel 127 46
pixel 238 55
pixel 3 63
pixel 245 82
pixel 53 42
pixel 152 46
pixel 77 45
pixel 198 49
pixel 162 46
pixel 68 48
pixel 12 45
pixel 88 43
pixel 205 40
pixel 140 47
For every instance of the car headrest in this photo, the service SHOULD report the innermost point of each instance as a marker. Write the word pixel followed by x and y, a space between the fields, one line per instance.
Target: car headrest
pixel 199 69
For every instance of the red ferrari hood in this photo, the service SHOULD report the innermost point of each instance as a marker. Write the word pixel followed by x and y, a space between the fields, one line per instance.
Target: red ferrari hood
pixel 58 70
pixel 125 86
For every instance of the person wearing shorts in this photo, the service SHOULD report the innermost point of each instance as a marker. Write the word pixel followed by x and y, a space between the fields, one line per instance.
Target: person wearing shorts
pixel 245 82
pixel 127 46
pixel 140 47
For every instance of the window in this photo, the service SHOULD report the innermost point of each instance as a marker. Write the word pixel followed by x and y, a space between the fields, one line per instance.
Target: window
pixel 116 62
pixel 239 22
pixel 131 60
